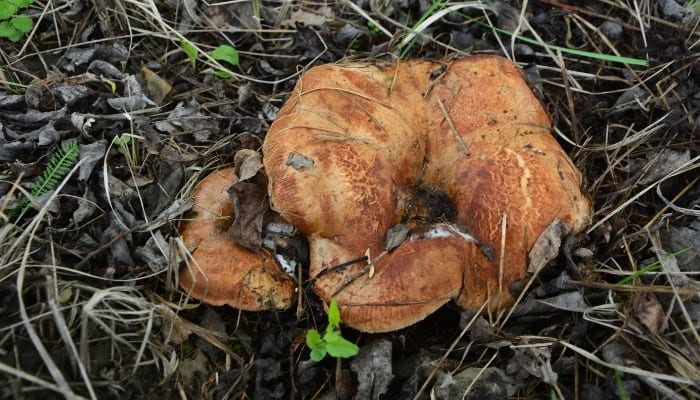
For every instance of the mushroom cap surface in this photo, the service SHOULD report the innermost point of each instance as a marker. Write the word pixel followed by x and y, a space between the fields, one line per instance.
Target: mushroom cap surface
pixel 460 151
pixel 220 271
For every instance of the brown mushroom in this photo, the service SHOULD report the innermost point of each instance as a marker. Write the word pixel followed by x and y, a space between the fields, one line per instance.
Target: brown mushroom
pixel 220 271
pixel 457 155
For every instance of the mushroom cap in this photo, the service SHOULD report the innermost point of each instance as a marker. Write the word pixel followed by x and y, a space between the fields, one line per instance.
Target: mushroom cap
pixel 459 151
pixel 220 271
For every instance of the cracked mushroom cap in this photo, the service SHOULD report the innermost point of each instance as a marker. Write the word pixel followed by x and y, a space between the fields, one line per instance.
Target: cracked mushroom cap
pixel 220 271
pixel 457 155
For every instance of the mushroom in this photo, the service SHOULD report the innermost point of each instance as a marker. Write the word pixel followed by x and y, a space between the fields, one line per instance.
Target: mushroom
pixel 220 271
pixel 417 183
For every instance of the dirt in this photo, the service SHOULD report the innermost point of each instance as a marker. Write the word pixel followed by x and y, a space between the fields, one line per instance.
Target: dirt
pixel 89 305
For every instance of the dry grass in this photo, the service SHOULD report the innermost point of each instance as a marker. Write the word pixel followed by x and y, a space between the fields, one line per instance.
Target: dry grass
pixel 77 324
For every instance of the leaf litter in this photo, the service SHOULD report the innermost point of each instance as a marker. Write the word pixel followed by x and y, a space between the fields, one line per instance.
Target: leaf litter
pixel 103 252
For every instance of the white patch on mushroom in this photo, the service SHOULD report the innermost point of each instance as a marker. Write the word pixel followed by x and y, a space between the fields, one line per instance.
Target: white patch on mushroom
pixel 288 266
pixel 441 231
pixel 276 227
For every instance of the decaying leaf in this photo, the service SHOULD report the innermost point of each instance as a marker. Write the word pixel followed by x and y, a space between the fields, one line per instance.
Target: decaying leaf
pixel 649 311
pixel 158 87
pixel 318 17
pixel 546 247
pixel 249 205
pixel 70 93
pixel 662 163
pixel 373 368
pixel 248 163
pixel 536 361
pixel 131 103
pixel 90 155
pixel 396 235
pixel 669 264
pixel 81 122
pixel 154 252
pixel 491 384
pixel 684 240
pixel 188 118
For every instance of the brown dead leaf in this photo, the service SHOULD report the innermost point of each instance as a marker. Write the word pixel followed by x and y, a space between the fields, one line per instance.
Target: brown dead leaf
pixel 157 87
pixel 250 205
pixel 537 362
pixel 248 163
pixel 649 311
pixel 547 246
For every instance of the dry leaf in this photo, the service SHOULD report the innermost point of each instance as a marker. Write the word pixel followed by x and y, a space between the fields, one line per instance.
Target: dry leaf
pixel 373 368
pixel 248 163
pixel 546 247
pixel 249 204
pixel 157 87
pixel 649 311
pixel 536 361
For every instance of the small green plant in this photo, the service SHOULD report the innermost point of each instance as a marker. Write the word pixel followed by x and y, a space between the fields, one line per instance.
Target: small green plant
pixel 436 5
pixel 694 5
pixel 14 26
pixel 373 29
pixel 59 165
pixel 332 342
pixel 222 53
pixel 621 391
pixel 649 268
pixel 190 51
pixel 127 146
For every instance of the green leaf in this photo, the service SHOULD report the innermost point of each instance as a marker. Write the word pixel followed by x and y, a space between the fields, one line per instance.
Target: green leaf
pixel 20 3
pixel 225 53
pixel 22 23
pixel 7 31
pixel 7 10
pixel 318 354
pixel 333 314
pixel 313 339
pixel 222 74
pixel 342 348
pixel 190 50
pixel 121 142
pixel 332 336
pixel 316 344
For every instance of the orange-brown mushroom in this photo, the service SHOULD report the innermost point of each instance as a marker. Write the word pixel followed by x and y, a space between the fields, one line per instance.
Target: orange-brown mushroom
pixel 221 271
pixel 457 155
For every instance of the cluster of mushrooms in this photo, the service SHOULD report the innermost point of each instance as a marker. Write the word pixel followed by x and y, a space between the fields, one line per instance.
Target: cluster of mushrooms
pixel 414 182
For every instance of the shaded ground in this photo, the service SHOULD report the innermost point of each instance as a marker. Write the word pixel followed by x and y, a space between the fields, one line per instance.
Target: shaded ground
pixel 88 301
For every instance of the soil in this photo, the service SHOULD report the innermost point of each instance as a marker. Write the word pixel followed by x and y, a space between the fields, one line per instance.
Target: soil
pixel 107 124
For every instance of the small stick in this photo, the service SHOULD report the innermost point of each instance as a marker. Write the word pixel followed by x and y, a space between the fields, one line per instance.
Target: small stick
pixel 453 129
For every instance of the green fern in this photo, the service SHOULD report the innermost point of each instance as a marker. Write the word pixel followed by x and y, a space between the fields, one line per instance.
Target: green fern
pixel 59 165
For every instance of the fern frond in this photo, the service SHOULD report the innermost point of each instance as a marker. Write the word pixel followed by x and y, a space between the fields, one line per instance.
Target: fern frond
pixel 58 166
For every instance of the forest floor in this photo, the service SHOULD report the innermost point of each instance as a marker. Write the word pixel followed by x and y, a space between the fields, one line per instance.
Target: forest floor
pixel 112 111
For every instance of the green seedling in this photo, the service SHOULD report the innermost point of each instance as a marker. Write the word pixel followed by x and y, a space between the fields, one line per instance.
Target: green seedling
pixel 13 25
pixel 224 53
pixel 190 51
pixel 332 342
pixel 59 165
pixel 373 29
pixel 127 146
